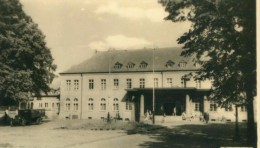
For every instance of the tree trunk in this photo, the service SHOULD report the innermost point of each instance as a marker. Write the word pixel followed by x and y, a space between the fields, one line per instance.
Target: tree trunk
pixel 251 128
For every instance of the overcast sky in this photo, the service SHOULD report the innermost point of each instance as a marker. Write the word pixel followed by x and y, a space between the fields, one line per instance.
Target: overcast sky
pixel 74 29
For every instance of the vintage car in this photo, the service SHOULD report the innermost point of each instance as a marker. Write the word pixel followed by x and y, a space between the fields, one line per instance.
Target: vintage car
pixel 28 116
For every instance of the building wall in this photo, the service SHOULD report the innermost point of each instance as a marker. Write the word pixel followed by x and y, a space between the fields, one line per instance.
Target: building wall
pixel 50 104
pixel 83 94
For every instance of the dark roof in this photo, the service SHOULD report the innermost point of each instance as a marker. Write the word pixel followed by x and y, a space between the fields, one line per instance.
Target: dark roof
pixel 106 60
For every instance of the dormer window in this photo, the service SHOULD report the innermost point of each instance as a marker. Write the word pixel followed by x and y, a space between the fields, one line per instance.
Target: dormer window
pixel 143 65
pixel 118 65
pixel 182 64
pixel 130 65
pixel 170 64
pixel 196 64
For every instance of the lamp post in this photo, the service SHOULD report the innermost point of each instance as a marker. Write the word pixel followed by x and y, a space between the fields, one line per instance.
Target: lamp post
pixel 153 90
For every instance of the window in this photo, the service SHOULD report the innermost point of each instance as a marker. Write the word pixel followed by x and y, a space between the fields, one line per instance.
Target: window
pixel 116 83
pixel 182 64
pixel 52 105
pixel 169 64
pixel 143 65
pixel 46 105
pixel 130 65
pixel 213 106
pixel 76 84
pixel 243 108
pixel 103 84
pixel 197 106
pixel 103 104
pixel 169 82
pixel 90 104
pixel 115 104
pixel 184 83
pixel 68 82
pixel 198 83
pixel 142 83
pixel 76 105
pixel 128 83
pixel 118 65
pixel 40 105
pixel 128 105
pixel 67 104
pixel 156 82
pixel 58 105
pixel 91 84
pixel 229 108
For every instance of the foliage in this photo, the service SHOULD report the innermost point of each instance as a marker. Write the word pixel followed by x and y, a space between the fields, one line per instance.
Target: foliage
pixel 26 64
pixel 223 40
pixel 222 37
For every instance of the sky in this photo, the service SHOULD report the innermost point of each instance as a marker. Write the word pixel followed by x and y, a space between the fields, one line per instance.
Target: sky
pixel 75 29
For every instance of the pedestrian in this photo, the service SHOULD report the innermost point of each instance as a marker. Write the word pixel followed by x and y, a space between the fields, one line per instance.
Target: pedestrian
pixel 206 117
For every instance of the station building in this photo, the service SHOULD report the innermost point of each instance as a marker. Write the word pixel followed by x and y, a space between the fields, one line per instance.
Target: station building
pixel 131 82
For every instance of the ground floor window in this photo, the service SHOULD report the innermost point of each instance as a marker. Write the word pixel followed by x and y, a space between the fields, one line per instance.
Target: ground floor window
pixel 115 104
pixel 90 104
pixel 213 106
pixel 128 105
pixel 243 108
pixel 229 108
pixel 197 107
pixel 103 104
pixel 67 106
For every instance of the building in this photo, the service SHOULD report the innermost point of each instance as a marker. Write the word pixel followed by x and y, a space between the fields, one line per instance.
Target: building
pixel 123 82
pixel 50 102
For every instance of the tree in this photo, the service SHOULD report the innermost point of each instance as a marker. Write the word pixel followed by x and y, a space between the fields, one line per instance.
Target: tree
pixel 222 37
pixel 26 64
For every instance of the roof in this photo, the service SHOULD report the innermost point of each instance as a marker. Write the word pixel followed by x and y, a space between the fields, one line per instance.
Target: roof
pixel 104 62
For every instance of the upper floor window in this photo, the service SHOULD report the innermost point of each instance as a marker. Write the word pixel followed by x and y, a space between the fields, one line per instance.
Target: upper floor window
pixel 91 84
pixel 143 65
pixel 183 83
pixel 198 83
pixel 118 65
pixel 130 65
pixel 170 64
pixel 40 105
pixel 68 83
pixel 213 106
pixel 46 105
pixel 76 105
pixel 182 64
pixel 128 83
pixel 90 104
pixel 76 84
pixel 142 83
pixel 103 104
pixel 103 84
pixel 169 82
pixel 116 83
pixel 116 104
pixel 156 83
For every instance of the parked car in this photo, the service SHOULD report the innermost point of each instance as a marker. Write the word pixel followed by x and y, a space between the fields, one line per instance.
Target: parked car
pixel 28 116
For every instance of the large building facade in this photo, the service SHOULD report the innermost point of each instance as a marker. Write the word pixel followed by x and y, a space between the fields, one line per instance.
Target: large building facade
pixel 133 83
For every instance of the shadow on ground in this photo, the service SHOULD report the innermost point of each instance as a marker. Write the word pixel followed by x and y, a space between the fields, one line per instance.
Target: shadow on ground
pixel 191 136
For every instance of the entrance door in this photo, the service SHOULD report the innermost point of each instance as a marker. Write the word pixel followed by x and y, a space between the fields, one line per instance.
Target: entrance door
pixel 168 108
